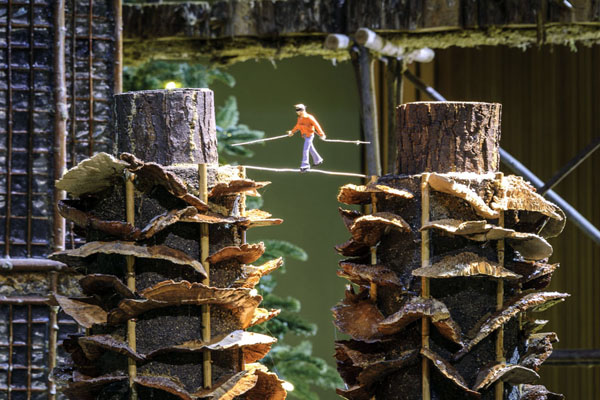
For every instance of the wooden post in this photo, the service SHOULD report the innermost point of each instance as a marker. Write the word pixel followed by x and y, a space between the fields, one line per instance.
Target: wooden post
pixel 373 288
pixel 52 335
pixel 425 283
pixel 499 387
pixel 204 253
pixel 363 66
pixel 130 260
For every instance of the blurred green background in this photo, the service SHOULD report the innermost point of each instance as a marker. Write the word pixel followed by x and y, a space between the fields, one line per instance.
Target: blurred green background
pixel 266 94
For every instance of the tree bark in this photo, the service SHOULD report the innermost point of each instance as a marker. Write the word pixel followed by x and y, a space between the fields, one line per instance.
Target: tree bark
pixel 175 127
pixel 167 126
pixel 420 265
pixel 448 137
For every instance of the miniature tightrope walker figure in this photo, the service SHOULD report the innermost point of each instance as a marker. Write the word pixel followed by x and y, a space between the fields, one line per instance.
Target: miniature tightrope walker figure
pixel 307 125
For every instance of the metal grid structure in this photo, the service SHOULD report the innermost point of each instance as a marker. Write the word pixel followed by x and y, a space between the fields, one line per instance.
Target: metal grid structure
pixel 26 135
pixel 53 54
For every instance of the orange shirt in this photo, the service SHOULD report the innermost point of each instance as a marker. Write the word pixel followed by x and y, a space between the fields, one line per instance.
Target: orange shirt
pixel 307 126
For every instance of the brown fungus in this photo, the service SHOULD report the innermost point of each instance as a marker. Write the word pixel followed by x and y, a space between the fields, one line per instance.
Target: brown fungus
pixel 158 252
pixel 245 186
pixel 448 371
pixel 92 175
pixel 118 229
pixel 84 313
pixel 516 194
pixel 538 392
pixel 360 194
pixel 352 248
pixel 539 348
pixel 465 264
pixel 534 302
pixel 529 245
pixel 155 174
pixel 165 384
pixel 246 253
pixel 251 275
pixel 87 388
pixel 362 274
pixel 229 387
pixel 257 218
pixel 358 317
pixel 445 184
pixel 369 229
pixel 242 302
pixel 510 373
pixel 101 283
pixel 93 346
pixel 416 308
pixel 263 315
pixel 268 385
pixel 349 216
pixel 254 346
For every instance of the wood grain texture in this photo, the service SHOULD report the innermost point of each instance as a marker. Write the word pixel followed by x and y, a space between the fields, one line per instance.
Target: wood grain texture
pixel 448 137
pixel 167 126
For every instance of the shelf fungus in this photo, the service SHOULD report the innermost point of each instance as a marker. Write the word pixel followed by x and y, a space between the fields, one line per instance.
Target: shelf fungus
pixel 158 252
pixel 151 307
pixel 539 348
pixel 369 229
pixel 526 302
pixel 449 372
pixel 361 194
pixel 538 392
pixel 358 317
pixel 417 308
pixel 465 264
pixel 529 245
pixel 449 258
pixel 362 274
pixel 511 373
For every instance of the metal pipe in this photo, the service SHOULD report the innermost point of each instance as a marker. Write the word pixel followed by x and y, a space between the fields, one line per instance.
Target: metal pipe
pixel 570 166
pixel 512 163
pixel 31 265
pixel 574 357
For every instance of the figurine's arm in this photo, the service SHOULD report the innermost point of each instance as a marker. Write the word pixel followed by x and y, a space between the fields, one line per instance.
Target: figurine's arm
pixel 293 130
pixel 318 127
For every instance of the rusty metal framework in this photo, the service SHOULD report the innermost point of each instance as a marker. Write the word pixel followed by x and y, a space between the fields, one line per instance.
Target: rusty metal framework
pixel 58 60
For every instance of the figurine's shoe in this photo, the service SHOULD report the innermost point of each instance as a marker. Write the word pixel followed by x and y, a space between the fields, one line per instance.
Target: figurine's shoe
pixel 319 163
pixel 304 169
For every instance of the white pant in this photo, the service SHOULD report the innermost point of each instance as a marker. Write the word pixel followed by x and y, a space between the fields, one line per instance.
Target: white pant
pixel 310 148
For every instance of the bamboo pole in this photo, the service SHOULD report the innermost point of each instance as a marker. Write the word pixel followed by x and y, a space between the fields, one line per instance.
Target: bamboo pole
pixel 53 335
pixel 373 287
pixel 204 253
pixel 425 282
pixel 242 175
pixel 499 387
pixel 130 260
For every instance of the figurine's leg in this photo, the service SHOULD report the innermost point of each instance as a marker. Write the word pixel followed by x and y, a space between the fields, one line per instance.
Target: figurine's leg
pixel 316 157
pixel 307 145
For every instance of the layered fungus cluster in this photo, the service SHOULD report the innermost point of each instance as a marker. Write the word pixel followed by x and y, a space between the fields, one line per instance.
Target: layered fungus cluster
pixel 448 268
pixel 146 284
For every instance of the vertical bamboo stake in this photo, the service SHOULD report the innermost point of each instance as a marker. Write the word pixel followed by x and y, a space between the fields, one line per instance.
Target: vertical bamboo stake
pixel 425 281
pixel 204 253
pixel 53 335
pixel 499 388
pixel 242 175
pixel 373 287
pixel 130 260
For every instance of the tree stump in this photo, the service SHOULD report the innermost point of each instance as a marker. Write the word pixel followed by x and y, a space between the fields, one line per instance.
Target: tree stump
pixel 448 137
pixel 167 126
pixel 447 263
pixel 152 266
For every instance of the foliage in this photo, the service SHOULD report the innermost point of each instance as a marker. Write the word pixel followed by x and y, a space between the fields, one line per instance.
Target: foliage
pixel 296 364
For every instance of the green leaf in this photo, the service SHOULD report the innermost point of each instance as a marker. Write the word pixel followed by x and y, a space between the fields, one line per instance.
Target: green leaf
pixel 281 248
pixel 227 115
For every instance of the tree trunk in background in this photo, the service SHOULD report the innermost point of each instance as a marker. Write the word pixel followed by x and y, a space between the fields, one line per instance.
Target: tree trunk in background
pixel 166 294
pixel 446 267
